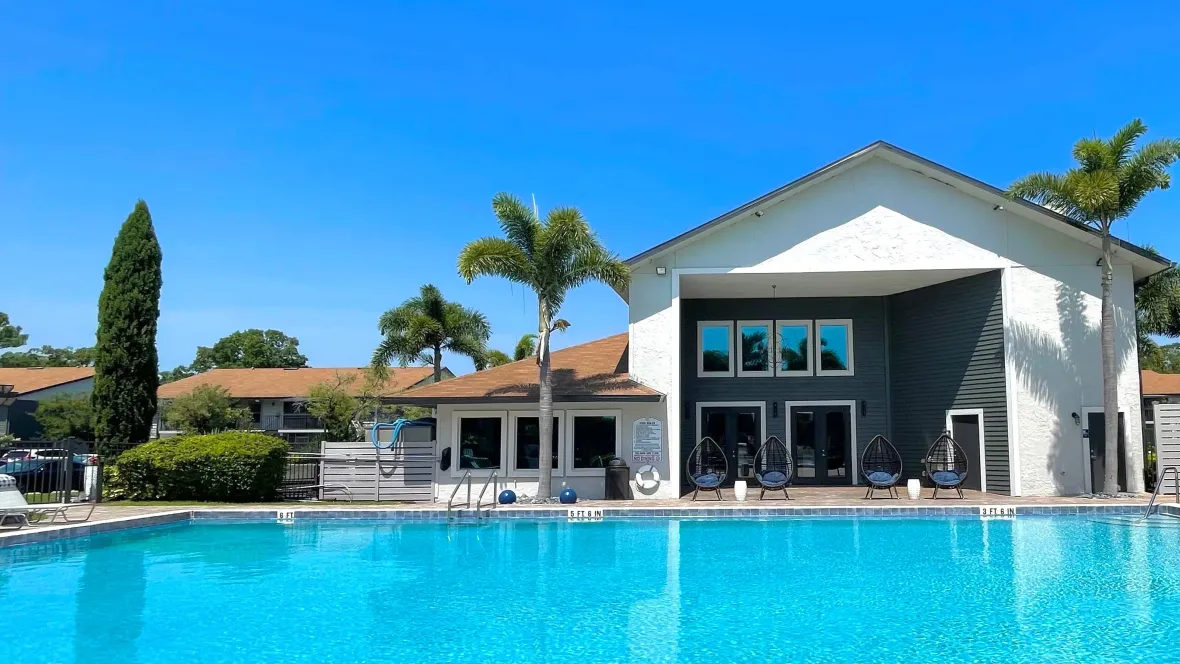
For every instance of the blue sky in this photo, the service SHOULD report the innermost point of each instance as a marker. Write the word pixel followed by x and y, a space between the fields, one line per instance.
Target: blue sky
pixel 308 166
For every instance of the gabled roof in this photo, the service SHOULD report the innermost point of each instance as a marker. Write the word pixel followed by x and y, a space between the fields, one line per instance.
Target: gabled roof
pixel 1144 262
pixel 1159 384
pixel 594 371
pixel 32 379
pixel 291 383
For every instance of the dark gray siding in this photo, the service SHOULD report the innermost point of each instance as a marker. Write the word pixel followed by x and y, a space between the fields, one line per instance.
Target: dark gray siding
pixel 947 351
pixel 868 353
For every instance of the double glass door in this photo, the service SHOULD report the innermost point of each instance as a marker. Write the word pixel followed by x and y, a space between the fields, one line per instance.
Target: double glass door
pixel 821 444
pixel 738 430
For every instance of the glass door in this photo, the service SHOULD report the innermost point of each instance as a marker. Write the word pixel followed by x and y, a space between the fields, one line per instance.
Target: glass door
pixel 738 430
pixel 821 444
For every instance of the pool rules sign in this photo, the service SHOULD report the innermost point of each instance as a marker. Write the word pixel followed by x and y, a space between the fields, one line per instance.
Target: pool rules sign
pixel 646 437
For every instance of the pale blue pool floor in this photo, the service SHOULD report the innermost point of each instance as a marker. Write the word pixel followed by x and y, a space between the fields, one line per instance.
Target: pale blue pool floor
pixel 1036 588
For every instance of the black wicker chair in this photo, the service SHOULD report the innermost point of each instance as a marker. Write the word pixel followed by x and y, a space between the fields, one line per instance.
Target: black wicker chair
pixel 707 467
pixel 946 464
pixel 773 467
pixel 880 466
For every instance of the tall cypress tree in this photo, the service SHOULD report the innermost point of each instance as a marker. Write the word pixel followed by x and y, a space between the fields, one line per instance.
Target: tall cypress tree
pixel 126 367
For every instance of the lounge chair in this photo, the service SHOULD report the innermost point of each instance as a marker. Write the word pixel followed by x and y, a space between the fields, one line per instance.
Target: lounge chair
pixel 15 511
pixel 880 466
pixel 946 464
pixel 773 467
pixel 707 467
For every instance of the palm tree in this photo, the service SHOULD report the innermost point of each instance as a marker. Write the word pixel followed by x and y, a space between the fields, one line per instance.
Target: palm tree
pixel 1157 311
pixel 1111 177
pixel 424 326
pixel 526 347
pixel 550 256
pixel 493 358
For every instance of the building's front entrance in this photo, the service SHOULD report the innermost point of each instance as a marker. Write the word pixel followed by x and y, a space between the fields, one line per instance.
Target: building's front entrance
pixel 821 444
pixel 738 430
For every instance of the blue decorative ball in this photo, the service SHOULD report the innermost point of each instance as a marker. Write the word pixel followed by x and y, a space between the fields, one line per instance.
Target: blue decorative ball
pixel 568 497
pixel 507 497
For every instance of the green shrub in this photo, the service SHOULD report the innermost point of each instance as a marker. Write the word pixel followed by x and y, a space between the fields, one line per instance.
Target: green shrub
pixel 235 466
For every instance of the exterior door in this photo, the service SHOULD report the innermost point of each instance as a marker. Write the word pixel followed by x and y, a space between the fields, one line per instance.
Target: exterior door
pixel 965 428
pixel 738 430
pixel 1096 425
pixel 821 444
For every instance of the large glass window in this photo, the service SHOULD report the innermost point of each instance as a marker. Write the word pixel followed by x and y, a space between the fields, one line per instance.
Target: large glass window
pixel 835 347
pixel 755 350
pixel 528 442
pixel 595 440
pixel 715 343
pixel 479 442
pixel 794 348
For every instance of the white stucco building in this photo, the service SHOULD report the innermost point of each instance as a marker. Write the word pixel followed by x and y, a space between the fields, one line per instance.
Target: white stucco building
pixel 881 294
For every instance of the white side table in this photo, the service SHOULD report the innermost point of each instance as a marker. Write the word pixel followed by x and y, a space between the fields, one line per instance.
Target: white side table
pixel 914 489
pixel 739 490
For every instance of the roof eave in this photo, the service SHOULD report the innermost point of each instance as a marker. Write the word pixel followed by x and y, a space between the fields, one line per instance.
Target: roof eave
pixel 524 398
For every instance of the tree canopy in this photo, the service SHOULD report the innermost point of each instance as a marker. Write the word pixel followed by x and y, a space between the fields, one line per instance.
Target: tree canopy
pixel 422 327
pixel 10 335
pixel 65 416
pixel 207 409
pixel 126 366
pixel 249 349
pixel 49 356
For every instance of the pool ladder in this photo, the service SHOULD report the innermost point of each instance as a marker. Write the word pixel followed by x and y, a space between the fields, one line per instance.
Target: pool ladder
pixel 492 479
pixel 1159 482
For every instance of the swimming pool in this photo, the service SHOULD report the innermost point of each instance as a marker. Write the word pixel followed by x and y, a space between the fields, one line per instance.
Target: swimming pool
pixel 642 590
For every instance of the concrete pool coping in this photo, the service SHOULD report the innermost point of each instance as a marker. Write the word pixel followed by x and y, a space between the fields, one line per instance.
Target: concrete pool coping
pixel 147 517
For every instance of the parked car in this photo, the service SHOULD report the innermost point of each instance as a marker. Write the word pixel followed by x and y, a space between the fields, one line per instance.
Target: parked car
pixel 15 455
pixel 42 475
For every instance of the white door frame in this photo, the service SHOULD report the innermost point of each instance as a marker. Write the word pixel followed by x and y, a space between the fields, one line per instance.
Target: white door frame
pixel 978 412
pixel 854 466
pixel 1087 472
pixel 760 405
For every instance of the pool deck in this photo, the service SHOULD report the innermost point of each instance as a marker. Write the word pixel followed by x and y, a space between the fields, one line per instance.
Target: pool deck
pixel 805 502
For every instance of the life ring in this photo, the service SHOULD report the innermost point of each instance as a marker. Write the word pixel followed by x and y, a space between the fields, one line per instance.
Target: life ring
pixel 647 483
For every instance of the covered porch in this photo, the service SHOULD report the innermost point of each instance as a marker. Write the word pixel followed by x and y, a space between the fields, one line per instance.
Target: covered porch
pixel 825 362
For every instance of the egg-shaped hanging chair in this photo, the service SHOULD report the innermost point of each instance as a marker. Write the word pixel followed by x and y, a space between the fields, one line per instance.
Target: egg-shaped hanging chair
pixel 946 464
pixel 707 467
pixel 880 466
pixel 773 467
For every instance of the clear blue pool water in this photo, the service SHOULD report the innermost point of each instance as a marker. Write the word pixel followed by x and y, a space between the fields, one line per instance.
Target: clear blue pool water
pixel 1060 589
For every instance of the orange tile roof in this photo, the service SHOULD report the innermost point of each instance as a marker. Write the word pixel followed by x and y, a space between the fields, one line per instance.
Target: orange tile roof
pixel 1159 383
pixel 289 383
pixel 591 371
pixel 33 379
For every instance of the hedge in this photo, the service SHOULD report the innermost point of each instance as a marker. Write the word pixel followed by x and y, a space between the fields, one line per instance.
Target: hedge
pixel 230 467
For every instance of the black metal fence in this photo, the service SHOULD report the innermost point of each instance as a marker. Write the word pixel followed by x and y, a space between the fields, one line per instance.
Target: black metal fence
pixel 53 471
pixel 301 481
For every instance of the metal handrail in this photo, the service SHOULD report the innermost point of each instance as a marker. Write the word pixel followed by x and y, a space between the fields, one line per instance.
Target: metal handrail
pixel 466 476
pixel 495 482
pixel 1159 482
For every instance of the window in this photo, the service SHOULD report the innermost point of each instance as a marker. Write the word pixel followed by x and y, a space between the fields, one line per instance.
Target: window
pixel 756 348
pixel 294 407
pixel 478 441
pixel 594 439
pixel 835 347
pixel 715 348
pixel 794 348
pixel 526 438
